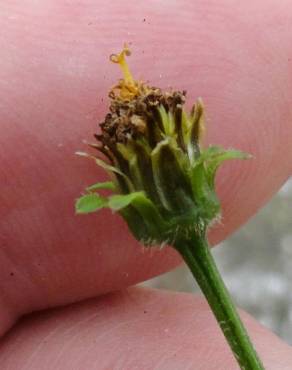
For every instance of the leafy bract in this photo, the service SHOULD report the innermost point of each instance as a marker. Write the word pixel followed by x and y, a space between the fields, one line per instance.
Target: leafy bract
pixel 90 203
pixel 108 185
pixel 120 201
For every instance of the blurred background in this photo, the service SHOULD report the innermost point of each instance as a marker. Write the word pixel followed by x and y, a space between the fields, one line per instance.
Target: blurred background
pixel 256 264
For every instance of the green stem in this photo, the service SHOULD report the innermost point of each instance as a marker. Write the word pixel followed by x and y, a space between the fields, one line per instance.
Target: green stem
pixel 196 253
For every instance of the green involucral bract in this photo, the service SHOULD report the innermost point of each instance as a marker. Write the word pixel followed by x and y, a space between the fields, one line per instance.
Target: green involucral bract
pixel 163 185
pixel 163 179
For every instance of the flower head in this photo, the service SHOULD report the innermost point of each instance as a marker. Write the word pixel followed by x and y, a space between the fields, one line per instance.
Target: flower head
pixel 162 177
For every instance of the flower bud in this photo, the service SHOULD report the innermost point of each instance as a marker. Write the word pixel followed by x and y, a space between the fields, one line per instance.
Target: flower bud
pixel 162 177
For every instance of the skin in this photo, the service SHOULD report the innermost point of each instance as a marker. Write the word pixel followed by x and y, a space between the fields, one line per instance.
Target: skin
pixel 54 79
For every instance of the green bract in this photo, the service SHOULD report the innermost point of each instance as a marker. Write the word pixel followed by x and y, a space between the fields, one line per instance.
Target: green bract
pixel 162 179
pixel 163 185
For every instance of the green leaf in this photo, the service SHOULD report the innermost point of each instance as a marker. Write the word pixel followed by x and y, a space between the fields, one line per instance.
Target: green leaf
pixel 204 193
pixel 119 201
pixel 170 177
pixel 219 154
pixel 108 168
pixel 216 159
pixel 167 121
pixel 109 185
pixel 194 133
pixel 142 216
pixel 90 203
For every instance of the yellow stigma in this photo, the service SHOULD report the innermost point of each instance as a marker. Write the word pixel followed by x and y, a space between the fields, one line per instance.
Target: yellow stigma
pixel 121 60
pixel 127 87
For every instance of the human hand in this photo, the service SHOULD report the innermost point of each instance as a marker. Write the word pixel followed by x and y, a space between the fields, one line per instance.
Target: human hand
pixel 54 81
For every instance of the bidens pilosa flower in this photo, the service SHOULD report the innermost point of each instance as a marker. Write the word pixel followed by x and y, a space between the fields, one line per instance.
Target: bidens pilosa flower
pixel 153 147
pixel 163 182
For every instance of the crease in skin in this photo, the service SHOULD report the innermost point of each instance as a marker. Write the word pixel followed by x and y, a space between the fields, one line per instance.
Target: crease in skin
pixel 66 345
pixel 170 354
pixel 100 338
pixel 112 333
pixel 7 317
pixel 13 273
pixel 28 362
pixel 18 77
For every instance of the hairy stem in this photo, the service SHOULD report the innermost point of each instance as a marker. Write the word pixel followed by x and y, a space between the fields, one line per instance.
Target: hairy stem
pixel 196 253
